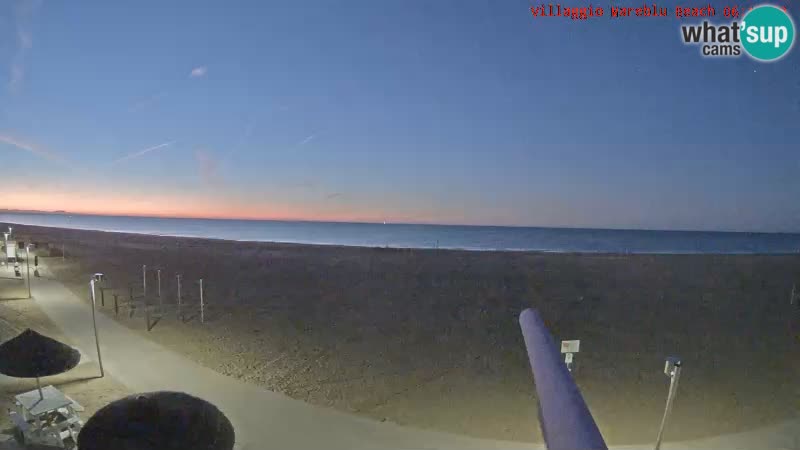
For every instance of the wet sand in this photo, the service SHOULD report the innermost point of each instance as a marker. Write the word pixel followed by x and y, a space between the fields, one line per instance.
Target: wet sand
pixel 430 337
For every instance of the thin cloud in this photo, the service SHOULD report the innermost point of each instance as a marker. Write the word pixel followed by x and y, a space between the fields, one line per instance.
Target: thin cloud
pixel 25 39
pixel 16 77
pixel 207 166
pixel 25 11
pixel 198 72
pixel 142 104
pixel 31 148
pixel 303 185
pixel 333 196
pixel 307 140
pixel 243 139
pixel 142 152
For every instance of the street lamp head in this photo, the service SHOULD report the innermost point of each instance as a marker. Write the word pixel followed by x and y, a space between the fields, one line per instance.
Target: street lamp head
pixel 670 365
pixel 98 277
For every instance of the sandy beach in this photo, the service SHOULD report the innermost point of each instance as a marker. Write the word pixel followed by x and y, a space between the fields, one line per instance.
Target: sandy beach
pixel 430 337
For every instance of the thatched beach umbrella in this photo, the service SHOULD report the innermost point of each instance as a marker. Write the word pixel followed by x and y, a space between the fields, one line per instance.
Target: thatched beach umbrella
pixel 157 421
pixel 32 355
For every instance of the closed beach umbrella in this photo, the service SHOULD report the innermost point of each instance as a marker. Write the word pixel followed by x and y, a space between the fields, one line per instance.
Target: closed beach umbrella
pixel 157 421
pixel 32 355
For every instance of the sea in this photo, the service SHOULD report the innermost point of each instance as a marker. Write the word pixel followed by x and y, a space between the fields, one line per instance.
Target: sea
pixel 486 238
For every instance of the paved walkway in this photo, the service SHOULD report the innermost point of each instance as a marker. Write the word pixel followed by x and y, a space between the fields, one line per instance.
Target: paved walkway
pixel 264 419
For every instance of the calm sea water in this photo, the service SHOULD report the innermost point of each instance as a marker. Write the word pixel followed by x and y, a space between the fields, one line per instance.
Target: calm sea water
pixel 430 236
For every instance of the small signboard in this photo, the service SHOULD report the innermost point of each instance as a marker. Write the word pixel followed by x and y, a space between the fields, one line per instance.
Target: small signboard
pixel 570 346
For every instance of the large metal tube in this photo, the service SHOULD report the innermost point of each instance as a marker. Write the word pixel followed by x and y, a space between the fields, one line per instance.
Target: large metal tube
pixel 564 418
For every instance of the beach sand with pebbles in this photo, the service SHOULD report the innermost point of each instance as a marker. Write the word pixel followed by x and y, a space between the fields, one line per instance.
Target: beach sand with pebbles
pixel 430 338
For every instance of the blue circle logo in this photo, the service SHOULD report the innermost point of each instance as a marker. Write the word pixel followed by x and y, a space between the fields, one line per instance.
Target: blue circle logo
pixel 767 33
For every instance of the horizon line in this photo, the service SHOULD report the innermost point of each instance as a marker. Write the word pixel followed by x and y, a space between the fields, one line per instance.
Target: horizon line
pixel 367 222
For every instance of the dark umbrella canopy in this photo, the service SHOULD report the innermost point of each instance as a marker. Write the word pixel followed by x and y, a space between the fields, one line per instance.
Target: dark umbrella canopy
pixel 32 355
pixel 157 421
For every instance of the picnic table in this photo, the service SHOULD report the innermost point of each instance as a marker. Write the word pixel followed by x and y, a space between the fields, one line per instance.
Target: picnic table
pixel 50 419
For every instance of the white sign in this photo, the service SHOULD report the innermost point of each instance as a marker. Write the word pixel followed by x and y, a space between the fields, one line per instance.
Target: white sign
pixel 568 358
pixel 570 346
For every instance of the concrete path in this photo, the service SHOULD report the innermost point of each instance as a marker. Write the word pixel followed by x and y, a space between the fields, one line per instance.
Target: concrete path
pixel 267 420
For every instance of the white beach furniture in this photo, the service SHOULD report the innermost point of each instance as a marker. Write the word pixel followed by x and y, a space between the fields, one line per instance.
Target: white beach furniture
pixel 49 420
pixel 11 251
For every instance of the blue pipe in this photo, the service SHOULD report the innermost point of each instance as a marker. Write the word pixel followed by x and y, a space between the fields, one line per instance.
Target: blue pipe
pixel 564 417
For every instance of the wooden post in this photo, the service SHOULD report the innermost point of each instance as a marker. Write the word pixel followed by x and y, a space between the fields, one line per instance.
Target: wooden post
pixel 116 305
pixel 178 276
pixel 160 300
pixel 131 304
pixel 147 313
pixel 202 304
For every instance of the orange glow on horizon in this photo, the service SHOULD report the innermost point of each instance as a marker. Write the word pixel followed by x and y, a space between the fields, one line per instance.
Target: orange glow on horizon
pixel 181 206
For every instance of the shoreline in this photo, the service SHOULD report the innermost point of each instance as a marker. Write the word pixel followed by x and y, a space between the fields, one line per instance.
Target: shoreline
pixel 429 338
pixel 234 219
pixel 453 249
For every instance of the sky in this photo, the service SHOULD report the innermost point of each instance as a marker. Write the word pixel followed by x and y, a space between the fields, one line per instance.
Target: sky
pixel 458 112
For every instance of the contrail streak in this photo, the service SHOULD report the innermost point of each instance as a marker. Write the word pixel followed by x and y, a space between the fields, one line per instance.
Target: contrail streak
pixel 142 152
pixel 33 149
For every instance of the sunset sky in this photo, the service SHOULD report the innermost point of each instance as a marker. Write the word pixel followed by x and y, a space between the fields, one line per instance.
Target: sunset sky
pixel 468 112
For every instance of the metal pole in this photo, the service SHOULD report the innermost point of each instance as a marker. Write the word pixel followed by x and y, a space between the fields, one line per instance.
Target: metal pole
pixel 96 336
pixel 179 293
pixel 564 418
pixel 63 253
pixel 28 265
pixel 673 388
pixel 202 305
pixel 147 313
pixel 160 301
pixel 144 279
pixel 791 296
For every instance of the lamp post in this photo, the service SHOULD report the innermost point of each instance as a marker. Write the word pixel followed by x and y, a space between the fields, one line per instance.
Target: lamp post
pixel 672 369
pixel 144 280
pixel 28 266
pixel 96 278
